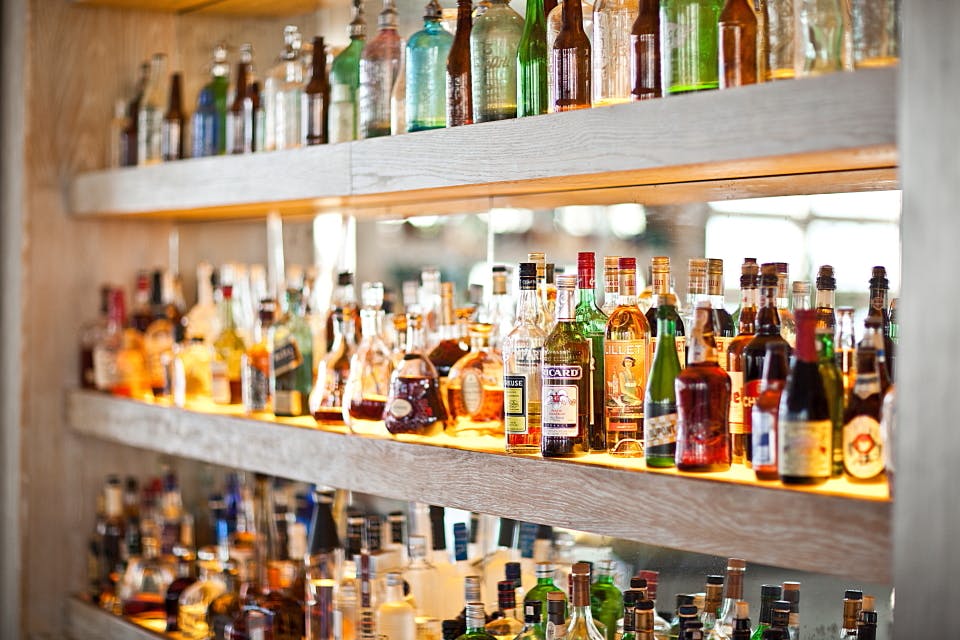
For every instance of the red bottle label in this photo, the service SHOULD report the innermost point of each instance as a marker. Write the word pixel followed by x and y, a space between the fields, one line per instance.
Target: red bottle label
pixel 751 391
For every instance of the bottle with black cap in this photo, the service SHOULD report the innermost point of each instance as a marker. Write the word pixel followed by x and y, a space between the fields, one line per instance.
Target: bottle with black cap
pixel 780 617
pixel 452 629
pixel 692 631
pixel 643 619
pixel 533 626
pixel 852 605
pixel 544 587
pixel 826 298
pixel 505 626
pixel 630 597
pixel 712 602
pixel 556 616
pixel 769 593
pixel 867 620
pixel 686 612
pixel 639 585
pixel 323 558
pixel 775 634
pixel 660 626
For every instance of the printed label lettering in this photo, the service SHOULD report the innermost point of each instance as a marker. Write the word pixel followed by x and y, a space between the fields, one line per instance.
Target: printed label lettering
pixel 764 437
pixel 400 408
pixel 805 448
pixel 624 367
pixel 736 401
pixel 571 372
pixel 751 391
pixel 471 392
pixel 659 430
pixel 515 404
pixel 560 410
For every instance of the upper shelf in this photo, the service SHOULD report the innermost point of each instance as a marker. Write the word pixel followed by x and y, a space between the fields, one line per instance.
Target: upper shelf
pixel 839 528
pixel 831 133
pixel 215 7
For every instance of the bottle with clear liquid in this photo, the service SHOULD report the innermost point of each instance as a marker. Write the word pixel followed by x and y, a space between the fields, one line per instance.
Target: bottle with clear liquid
pixel 494 42
pixel 532 62
pixel 522 349
pixel 846 348
pixel 283 94
pixel 365 396
pixel 240 114
pixel 613 22
pixel 379 70
pixel 150 115
pixel 426 71
pixel 345 81
pixel 820 32
pixel 689 47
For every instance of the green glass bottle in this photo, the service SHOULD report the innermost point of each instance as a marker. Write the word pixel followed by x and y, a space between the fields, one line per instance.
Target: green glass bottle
pixel 345 80
pixel 476 620
pixel 544 586
pixel 660 399
pixel 690 49
pixel 592 324
pixel 606 601
pixel 426 69
pixel 833 385
pixel 532 62
pixel 533 625
pixel 220 86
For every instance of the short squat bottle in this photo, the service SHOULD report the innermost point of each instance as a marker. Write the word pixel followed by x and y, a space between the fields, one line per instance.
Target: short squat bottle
pixel 414 406
pixel 365 396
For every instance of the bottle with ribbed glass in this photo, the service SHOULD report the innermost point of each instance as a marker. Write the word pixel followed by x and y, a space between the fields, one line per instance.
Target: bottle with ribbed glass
pixel 426 70
pixel 690 48
pixel 522 350
pixel 150 115
pixel 613 21
pixel 645 80
pixel 459 85
pixel 625 367
pixel 532 62
pixel 591 322
pixel 570 57
pixel 723 327
pixel 820 34
pixel 833 385
pixel 660 398
pixel 314 127
pixel 345 81
pixel 494 41
pixel 738 44
pixel 606 600
pixel 660 283
pixel 379 68
pixel 291 371
pixel 282 94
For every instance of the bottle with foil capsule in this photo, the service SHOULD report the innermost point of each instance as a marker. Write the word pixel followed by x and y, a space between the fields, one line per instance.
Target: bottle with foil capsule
pixel 591 322
pixel 826 298
pixel 723 327
pixel 611 284
pixel 746 317
pixel 522 351
pixel 414 404
pixel 660 399
pixel 863 456
pixel 365 395
pixel 879 288
pixel 660 285
pixel 766 411
pixel 846 348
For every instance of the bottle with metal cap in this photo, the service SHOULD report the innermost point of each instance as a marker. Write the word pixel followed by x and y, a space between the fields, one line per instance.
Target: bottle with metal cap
pixel 867 620
pixel 476 619
pixel 544 587
pixel 660 398
pixel 852 606
pixel 522 352
pixel 606 601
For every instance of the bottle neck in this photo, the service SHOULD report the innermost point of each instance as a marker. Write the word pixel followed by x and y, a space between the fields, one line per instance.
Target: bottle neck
pixel 528 310
pixel 768 319
pixel 572 17
pixel 825 346
pixel 627 291
pixel 666 323
pixel 826 298
pixel 566 311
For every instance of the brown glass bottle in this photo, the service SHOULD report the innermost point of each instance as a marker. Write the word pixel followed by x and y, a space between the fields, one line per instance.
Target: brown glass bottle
pixel 459 81
pixel 172 131
pixel 240 113
pixel 129 134
pixel 738 44
pixel 571 61
pixel 645 52
pixel 316 97
pixel 862 445
pixel 879 287
pixel 452 345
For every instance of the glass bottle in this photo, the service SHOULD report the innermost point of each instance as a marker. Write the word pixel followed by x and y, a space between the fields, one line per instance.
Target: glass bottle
pixel 788 327
pixel 475 623
pixel 365 395
pixel 711 603
pixel 118 362
pixel 606 600
pixel 591 323
pixel 879 287
pixel 689 35
pixel 196 599
pixel 532 62
pixel 852 606
pixel 846 348
pixel 781 41
pixel 753 354
pixel 833 386
pixel 805 447
pixel 494 41
pixel 291 371
pixel 329 389
pixel 459 92
pixel 546 319
pixel 283 94
pixel 215 130
pixel 867 620
pixel 414 404
pixel 769 593
pixel 426 65
pixel 183 581
pixel 660 279
pixel 506 627
pixel 703 402
pixel 522 352
pixel 826 298
pixel 396 616
pixel 379 68
pixel 738 44
pixel 117 140
pixel 150 114
pixel 345 81
pixel 545 572
pixel 240 113
pixel 345 298
pixel 581 626
pixel 533 625
pixel 228 350
pixel 862 445
pixel 723 326
pixel 660 399
pixel 451 346
pixel 611 284
pixel 398 98
pixel 570 58
pixel 732 593
pixel 696 292
pixel 645 74
pixel 500 310
pixel 173 132
pixel 876 33
pixel 314 107
pixel 625 367
pixel 259 117
pixel 322 570
pixel 566 385
pixel 91 333
pixel 556 628
pixel 791 593
pixel 554 12
pixel 475 386
pixel 613 22
pixel 191 377
pixel 145 583
pixel 741 621
pixel 820 33
pixel 766 411
pixel 255 365
pixel 129 137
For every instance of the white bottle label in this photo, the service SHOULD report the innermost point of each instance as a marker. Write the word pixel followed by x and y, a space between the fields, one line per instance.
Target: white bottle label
pixel 862 447
pixel 764 437
pixel 560 410
pixel 805 448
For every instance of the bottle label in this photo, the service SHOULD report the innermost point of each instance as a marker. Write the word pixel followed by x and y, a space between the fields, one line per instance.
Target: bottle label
pixel 400 408
pixel 736 401
pixel 805 448
pixel 723 344
pixel 866 385
pixel 471 392
pixel 287 403
pixel 862 447
pixel 662 429
pixel 681 343
pixel 624 366
pixel 220 382
pixel 515 404
pixel 256 388
pixel 764 437
pixel 286 357
pixel 560 409
pixel 751 391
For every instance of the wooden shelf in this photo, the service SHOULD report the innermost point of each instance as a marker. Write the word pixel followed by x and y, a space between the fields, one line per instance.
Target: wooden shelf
pixel 831 133
pixel 840 528
pixel 86 621
pixel 262 8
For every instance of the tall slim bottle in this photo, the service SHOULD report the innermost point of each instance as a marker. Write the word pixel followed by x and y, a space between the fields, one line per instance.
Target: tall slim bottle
pixel 581 626
pixel 240 113
pixel 765 413
pixel 426 70
pixel 494 41
pixel 846 348
pixel 343 118
pixel 565 374
pixel 459 83
pixel 660 399
pixel 379 69
pixel 732 593
pixel 291 364
pixel 283 95
pixel 150 115
pixel 532 62
pixel 769 593
pixel 689 37
pixel 723 328
pixel 875 32
pixel 781 40
pixel 173 132
pixel 738 44
pixel 255 365
pixel 625 367
pixel 129 138
pixel 570 56
pixel 606 600
pixel 522 353
pixel 833 386
pixel 591 322
pixel 879 288
pixel 613 22
pixel 316 102
pixel 645 72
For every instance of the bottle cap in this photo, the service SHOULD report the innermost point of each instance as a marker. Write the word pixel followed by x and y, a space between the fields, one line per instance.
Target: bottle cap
pixel 637 582
pixel 505 586
pixel 791 593
pixel 715 580
pixel 394 579
pixel 869 603
pixel 768 275
pixel 567 282
pixel 742 609
pixel 451 628
pixel 825 278
pixel 801 287
pixel 512 571
pixel 545 569
pixel 878 278
pixel 625 264
pixel 433 11
pixel 644 605
pixel 550 272
pixel 613 262
pixel 869 617
pixel 630 597
pixel 781 605
pixel 687 610
pixel 736 563
pixel 344 278
pixel 771 591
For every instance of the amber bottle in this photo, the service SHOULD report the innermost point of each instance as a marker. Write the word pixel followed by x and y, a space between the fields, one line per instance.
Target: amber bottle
pixel 571 61
pixel 459 81
pixel 645 52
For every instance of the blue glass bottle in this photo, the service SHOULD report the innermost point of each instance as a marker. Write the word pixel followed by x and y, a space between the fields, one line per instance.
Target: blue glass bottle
pixel 205 125
pixel 427 52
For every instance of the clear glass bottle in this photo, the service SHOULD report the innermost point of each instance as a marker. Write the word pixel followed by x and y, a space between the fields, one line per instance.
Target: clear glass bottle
pixel 500 310
pixel 240 114
pixel 414 403
pixel 613 22
pixel 611 284
pixel 365 396
pixel 144 584
pixel 781 41
pixel 846 348
pixel 876 32
pixel 150 115
pixel 283 94
pixel 475 387
pixel 732 593
pixel 532 62
pixel 329 389
pixel 820 37
pixel 255 364
pixel 788 327
pixel 129 142
pixel 826 298
pixel 291 363
pixel 660 399
pixel 116 140
pixel 570 57
pixel 398 98
pixel 724 329
pixel 395 616
pixel 689 40
pixel 228 349
pixel 592 323
pixel 522 350
pixel 196 599
pixel 314 108
pixel 625 367
pixel 494 41
pixel 645 73
pixel 344 114
pixel 738 44
pixel 379 69
pixel 852 605
pixel 713 595
pixel 426 70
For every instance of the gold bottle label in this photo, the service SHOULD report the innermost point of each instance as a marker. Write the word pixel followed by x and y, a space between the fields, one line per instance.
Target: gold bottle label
pixel 515 404
pixel 805 448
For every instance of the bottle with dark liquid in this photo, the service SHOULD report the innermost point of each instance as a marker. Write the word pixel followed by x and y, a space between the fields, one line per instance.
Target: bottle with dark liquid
pixel 738 44
pixel 645 52
pixel 240 114
pixel 571 61
pixel 766 411
pixel 173 132
pixel 746 316
pixel 863 456
pixel 451 346
pixel 879 287
pixel 365 396
pixel 316 98
pixel 414 404
pixel 459 87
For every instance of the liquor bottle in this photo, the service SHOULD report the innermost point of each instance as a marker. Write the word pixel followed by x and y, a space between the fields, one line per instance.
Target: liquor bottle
pixel 118 363
pixel 644 615
pixel 426 65
pixel 475 386
pixel 820 31
pixel 833 386
pixel 129 138
pixel 791 593
pixel 571 62
pixel 612 24
pixel 888 421
pixel 184 580
pixel 329 390
pixel 867 620
pixel 522 352
pixel 788 326
pixel 781 41
pixel 549 290
pixel 592 323
pixel 321 569
pixel 660 399
pixel 228 351
pixel 709 617
pixel 696 293
pixel 240 113
pixel 475 623
pixel 197 598
pixel 780 619
pixel 738 44
pixel 805 442
pixel 506 627
pixel 686 616
pixel 150 114
pixel 395 616
pixel 800 296
pixel 846 348
pixel 765 413
pixel 291 372
pixel 398 97
pixel 876 33
pixel 283 94
pixel 451 345
pixel 852 606
pixel 645 74
pixel 769 593
pixel 345 298
pixel 494 41
pixel 90 334
pixel 611 284
pixel 741 621
pixel 414 404
pixel 862 445
pixel 826 298
pixel 724 329
pixel 210 117
pixel 625 367
pixel 313 110
pixel 556 628
pixel 752 356
pixel 259 117
pixel 499 311
pixel 703 402
pixel 894 334
pixel 343 117
pixel 423 579
pixel 749 267
pixel 732 593
pixel 110 534
pixel 255 365
pixel 533 625
pixel 546 320
pixel 203 319
pixel 566 386
pixel 144 584
pixel 606 600
pixel 173 131
pixel 690 44
pixel 660 285
pixel 117 139
pixel 544 587
pixel 379 69
pixel 629 621
pixel 581 624
pixel 879 286
pixel 459 83
pixel 365 394
pixel 532 62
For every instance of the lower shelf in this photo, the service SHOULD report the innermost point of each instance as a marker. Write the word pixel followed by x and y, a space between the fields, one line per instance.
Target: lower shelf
pixel 86 621
pixel 839 528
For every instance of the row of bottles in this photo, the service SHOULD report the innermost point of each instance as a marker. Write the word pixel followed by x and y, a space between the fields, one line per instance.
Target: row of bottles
pixel 313 567
pixel 496 65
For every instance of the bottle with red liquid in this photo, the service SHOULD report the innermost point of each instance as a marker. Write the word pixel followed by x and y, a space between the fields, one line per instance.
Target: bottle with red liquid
pixel 703 401
pixel 365 395
pixel 414 404
pixel 766 410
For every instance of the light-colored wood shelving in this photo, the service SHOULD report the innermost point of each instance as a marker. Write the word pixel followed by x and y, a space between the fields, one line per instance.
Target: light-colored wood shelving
pixel 831 133
pixel 839 528
pixel 215 7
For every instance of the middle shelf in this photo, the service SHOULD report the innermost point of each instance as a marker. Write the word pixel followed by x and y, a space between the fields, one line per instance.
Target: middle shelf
pixel 839 529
